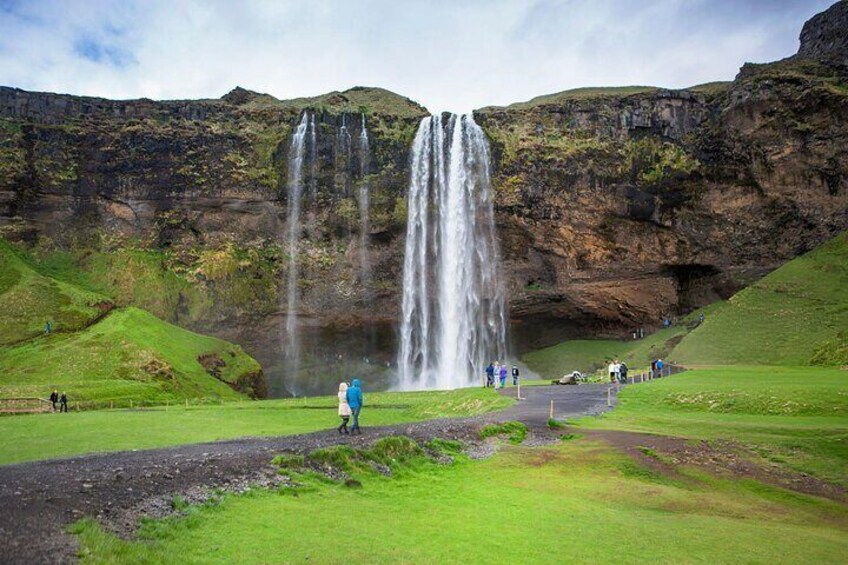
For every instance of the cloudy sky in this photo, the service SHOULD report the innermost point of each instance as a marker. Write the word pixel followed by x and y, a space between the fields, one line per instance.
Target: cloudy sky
pixel 446 54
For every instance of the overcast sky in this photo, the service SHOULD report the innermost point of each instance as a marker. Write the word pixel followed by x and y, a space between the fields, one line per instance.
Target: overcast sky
pixel 446 54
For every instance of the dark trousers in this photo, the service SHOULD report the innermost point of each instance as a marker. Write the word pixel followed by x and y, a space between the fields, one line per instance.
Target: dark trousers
pixel 343 427
pixel 355 426
pixel 64 407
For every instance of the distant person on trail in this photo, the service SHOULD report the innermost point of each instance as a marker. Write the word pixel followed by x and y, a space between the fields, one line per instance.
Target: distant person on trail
pixel 490 375
pixel 514 375
pixel 611 370
pixel 48 327
pixel 497 373
pixel 701 317
pixel 344 408
pixel 355 401
pixel 54 398
pixel 63 403
pixel 660 366
pixel 622 373
pixel 503 375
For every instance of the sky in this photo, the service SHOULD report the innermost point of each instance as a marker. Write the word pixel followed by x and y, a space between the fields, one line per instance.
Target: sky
pixel 452 55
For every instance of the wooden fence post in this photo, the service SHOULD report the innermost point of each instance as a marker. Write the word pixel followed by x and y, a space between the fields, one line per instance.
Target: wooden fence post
pixel 609 396
pixel 552 410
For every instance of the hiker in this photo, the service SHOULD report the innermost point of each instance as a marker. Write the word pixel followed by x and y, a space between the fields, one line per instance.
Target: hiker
pixel 63 403
pixel 344 408
pixel 355 401
pixel 490 375
pixel 497 373
pixel 654 368
pixel 701 317
pixel 622 373
pixel 54 398
pixel 48 327
pixel 514 375
pixel 611 370
pixel 660 366
pixel 503 375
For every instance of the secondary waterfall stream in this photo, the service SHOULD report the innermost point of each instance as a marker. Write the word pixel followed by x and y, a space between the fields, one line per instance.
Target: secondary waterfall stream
pixel 364 204
pixel 453 311
pixel 297 154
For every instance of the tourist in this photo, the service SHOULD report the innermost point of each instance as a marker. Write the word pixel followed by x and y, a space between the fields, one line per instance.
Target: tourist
pixel 503 375
pixel 48 327
pixel 490 375
pixel 63 403
pixel 514 375
pixel 344 408
pixel 355 401
pixel 611 370
pixel 701 317
pixel 54 398
pixel 497 373
pixel 622 373
pixel 660 366
pixel 616 371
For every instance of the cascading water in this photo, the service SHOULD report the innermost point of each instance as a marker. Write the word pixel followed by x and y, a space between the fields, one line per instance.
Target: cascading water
pixel 453 311
pixel 343 154
pixel 313 159
pixel 297 154
pixel 364 205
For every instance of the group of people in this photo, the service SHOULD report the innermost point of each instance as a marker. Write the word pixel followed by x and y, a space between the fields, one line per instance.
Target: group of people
pixel 350 404
pixel 497 372
pixel 61 400
pixel 617 372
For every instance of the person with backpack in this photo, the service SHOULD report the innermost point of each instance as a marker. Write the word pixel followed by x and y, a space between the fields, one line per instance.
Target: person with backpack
pixel 514 375
pixel 63 403
pixel 355 401
pixel 490 375
pixel 54 398
pixel 503 375
pixel 622 373
pixel 344 408
pixel 660 366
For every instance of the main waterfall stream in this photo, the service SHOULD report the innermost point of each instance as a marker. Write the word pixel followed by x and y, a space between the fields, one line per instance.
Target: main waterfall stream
pixel 453 312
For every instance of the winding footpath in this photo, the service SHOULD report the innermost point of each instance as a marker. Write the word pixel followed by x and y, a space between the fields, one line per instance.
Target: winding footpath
pixel 41 498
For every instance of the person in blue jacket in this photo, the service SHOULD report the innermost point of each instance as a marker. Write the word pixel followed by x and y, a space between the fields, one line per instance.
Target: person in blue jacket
pixel 354 400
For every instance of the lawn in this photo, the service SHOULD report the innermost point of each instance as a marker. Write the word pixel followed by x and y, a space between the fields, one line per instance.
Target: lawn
pixel 128 355
pixel 44 436
pixel 794 416
pixel 574 502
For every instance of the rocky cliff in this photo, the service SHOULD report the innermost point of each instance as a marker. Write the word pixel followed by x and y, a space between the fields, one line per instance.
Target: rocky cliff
pixel 615 206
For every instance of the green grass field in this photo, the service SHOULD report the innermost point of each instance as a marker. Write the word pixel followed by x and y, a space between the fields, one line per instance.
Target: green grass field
pixel 575 502
pixel 793 416
pixel 45 436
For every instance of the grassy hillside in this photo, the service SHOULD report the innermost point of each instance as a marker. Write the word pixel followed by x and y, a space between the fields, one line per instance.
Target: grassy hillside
pixel 130 354
pixel 28 300
pixel 797 315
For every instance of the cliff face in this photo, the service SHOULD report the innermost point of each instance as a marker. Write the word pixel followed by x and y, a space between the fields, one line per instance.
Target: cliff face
pixel 614 206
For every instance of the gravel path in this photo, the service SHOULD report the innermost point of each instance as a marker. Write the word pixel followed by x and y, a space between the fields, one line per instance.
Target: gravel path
pixel 40 499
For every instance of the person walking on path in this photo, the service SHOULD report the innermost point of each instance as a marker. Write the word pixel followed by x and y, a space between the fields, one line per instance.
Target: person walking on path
pixel 54 398
pixel 497 373
pixel 514 375
pixel 611 370
pixel 344 408
pixel 622 373
pixel 63 403
pixel 660 366
pixel 48 327
pixel 503 375
pixel 355 401
pixel 490 375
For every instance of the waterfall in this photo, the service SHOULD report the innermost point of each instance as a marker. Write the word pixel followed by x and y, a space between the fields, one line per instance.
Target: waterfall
pixel 297 154
pixel 364 204
pixel 313 159
pixel 453 311
pixel 343 153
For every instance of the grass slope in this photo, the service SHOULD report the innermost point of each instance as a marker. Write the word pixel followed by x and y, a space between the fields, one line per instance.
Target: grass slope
pixel 44 436
pixel 28 300
pixel 130 354
pixel 576 502
pixel 796 315
pixel 794 416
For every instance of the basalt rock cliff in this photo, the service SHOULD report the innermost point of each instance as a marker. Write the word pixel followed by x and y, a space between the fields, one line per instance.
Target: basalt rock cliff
pixel 615 207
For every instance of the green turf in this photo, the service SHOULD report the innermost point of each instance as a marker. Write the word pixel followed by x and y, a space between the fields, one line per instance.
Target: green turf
pixel 786 318
pixel 129 354
pixel 28 300
pixel 576 502
pixel 794 416
pixel 44 436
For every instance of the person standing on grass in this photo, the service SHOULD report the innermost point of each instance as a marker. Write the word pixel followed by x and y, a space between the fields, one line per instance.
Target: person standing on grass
pixel 63 403
pixel 660 366
pixel 48 327
pixel 344 408
pixel 503 375
pixel 622 373
pixel 490 375
pixel 54 398
pixel 514 375
pixel 355 401
pixel 497 373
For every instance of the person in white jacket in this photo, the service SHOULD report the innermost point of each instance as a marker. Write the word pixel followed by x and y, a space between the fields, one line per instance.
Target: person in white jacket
pixel 344 408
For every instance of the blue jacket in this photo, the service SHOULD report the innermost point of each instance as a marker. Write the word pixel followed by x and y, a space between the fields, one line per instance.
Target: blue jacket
pixel 354 395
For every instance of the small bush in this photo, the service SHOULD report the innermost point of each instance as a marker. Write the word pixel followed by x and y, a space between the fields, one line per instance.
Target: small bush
pixel 288 461
pixel 340 456
pixel 446 446
pixel 554 424
pixel 393 450
pixel 515 430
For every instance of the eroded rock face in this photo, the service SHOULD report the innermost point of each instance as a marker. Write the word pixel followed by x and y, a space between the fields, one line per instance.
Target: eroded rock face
pixel 615 207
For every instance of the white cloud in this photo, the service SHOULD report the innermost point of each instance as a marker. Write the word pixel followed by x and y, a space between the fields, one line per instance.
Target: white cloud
pixel 455 55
